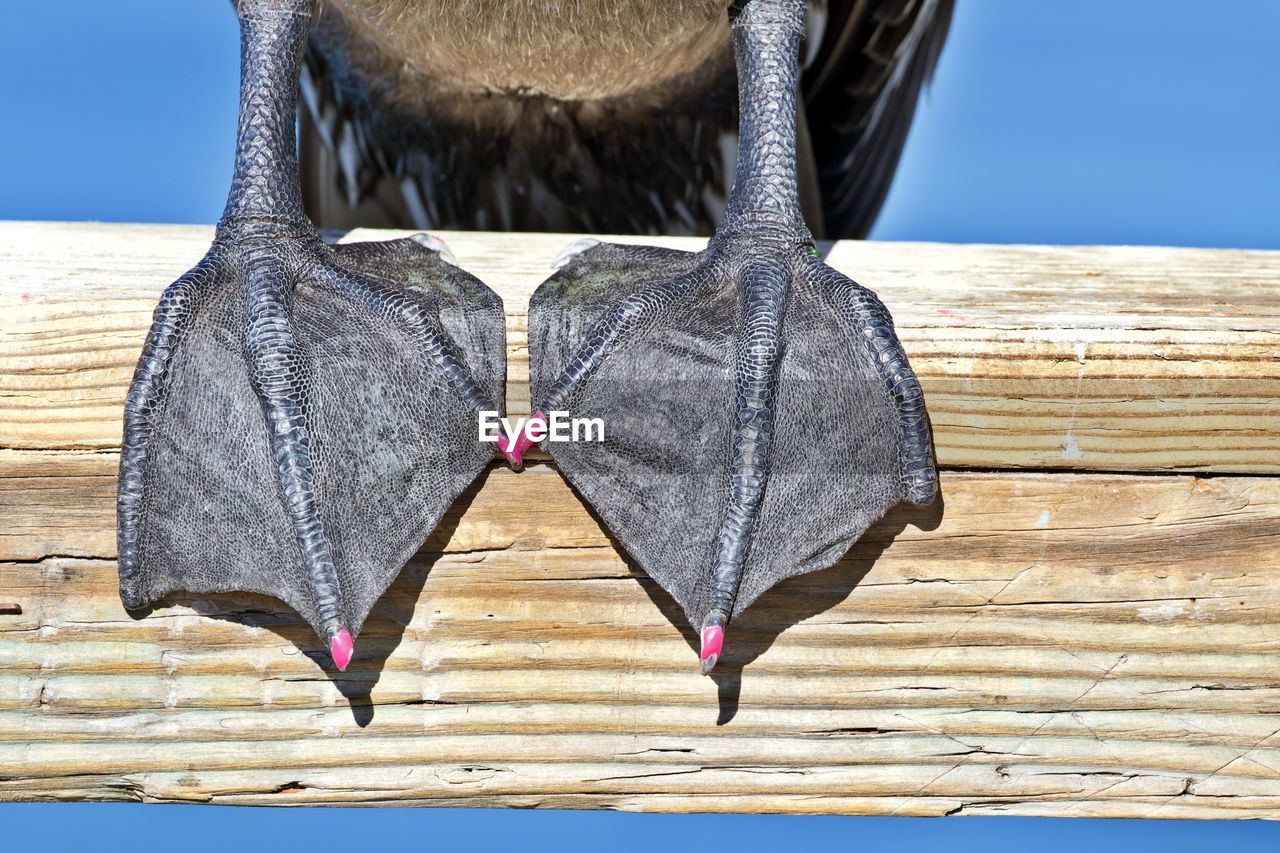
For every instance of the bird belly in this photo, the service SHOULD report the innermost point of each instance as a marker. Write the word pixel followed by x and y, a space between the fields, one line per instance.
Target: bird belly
pixel 583 50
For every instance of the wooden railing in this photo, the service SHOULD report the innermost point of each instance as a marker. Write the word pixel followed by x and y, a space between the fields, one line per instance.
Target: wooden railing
pixel 1087 623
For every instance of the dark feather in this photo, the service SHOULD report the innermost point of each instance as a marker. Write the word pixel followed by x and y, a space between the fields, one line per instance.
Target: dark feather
pixel 861 87
pixel 657 161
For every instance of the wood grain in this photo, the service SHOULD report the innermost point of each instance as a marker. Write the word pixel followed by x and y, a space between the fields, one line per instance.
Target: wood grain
pixel 1105 359
pixel 1045 641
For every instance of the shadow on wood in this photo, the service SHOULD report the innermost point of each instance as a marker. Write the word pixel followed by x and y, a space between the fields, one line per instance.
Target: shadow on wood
pixel 1084 631
pixel 788 603
pixel 382 633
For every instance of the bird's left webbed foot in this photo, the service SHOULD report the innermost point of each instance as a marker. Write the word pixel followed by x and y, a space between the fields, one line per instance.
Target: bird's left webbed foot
pixel 757 408
pixel 301 418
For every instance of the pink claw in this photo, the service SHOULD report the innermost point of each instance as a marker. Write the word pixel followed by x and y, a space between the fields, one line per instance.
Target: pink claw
pixel 712 642
pixel 513 447
pixel 342 647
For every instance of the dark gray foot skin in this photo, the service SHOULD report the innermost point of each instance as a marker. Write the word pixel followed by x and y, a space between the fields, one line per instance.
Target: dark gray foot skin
pixel 759 413
pixel 301 416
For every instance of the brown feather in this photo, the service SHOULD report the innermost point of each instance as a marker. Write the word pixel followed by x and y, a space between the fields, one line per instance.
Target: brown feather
pixel 594 115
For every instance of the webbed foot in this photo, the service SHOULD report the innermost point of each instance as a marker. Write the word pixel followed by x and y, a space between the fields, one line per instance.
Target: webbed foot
pixel 300 419
pixel 758 410
pixel 759 413
pixel 301 416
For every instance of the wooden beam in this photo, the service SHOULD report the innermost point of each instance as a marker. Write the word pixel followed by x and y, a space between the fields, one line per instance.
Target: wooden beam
pixel 1043 641
pixel 1135 359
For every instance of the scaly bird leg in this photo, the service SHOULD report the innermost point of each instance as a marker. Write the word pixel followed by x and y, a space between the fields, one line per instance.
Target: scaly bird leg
pixel 301 416
pixel 785 418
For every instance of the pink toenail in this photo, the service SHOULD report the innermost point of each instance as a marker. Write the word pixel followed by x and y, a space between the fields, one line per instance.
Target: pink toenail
pixel 342 647
pixel 712 641
pixel 513 447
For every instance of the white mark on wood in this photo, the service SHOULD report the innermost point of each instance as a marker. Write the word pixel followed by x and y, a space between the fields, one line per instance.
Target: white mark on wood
pixel 183 621
pixel 170 661
pixel 1165 611
pixel 1070 449
pixel 330 724
pixel 1043 521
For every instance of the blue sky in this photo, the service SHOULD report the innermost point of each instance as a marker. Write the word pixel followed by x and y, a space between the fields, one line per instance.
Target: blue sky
pixel 107 828
pixel 1098 121
pixel 1095 121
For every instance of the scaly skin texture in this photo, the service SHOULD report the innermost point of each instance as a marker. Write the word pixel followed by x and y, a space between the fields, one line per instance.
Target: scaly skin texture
pixel 760 413
pixel 301 416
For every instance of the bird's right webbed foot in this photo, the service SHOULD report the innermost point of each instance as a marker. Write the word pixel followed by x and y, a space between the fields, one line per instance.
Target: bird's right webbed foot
pixel 757 410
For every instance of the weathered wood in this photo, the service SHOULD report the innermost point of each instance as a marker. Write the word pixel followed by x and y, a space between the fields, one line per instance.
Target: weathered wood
pixel 1041 642
pixel 1031 357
